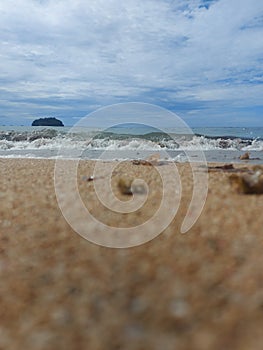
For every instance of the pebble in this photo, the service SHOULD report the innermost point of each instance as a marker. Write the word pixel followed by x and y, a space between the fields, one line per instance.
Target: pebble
pixel 128 186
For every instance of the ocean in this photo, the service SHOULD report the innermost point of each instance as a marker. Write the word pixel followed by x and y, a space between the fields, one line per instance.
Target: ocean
pixel 132 142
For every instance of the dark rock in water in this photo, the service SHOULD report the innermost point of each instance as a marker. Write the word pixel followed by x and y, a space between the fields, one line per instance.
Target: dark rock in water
pixel 47 122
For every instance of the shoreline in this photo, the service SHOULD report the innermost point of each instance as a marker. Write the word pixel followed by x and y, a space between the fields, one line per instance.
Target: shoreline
pixel 198 290
pixel 210 156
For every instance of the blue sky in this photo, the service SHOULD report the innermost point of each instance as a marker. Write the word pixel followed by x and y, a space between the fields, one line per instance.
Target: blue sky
pixel 66 58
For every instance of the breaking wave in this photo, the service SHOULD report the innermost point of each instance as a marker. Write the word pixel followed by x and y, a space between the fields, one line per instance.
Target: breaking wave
pixel 53 139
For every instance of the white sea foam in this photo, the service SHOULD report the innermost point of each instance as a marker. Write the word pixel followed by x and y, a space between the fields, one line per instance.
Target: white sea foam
pixel 49 139
pixel 256 145
pixel 197 142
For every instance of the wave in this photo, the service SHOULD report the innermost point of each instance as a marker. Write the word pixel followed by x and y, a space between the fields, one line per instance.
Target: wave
pixel 53 139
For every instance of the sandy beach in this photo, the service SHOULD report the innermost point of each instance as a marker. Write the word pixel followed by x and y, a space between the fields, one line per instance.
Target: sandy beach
pixel 201 290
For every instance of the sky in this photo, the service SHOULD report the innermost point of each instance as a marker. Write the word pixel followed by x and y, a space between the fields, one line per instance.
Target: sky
pixel 202 59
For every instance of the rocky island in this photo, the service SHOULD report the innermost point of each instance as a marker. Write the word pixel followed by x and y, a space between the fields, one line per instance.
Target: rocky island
pixel 47 122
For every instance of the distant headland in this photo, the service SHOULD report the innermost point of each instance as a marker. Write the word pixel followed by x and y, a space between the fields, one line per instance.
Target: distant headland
pixel 47 122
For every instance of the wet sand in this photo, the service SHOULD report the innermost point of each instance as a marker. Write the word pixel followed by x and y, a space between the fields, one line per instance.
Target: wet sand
pixel 199 290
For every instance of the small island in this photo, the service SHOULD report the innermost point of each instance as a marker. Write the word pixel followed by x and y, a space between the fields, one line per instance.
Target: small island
pixel 47 122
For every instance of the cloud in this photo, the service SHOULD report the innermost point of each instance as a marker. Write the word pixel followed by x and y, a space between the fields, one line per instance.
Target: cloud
pixel 65 56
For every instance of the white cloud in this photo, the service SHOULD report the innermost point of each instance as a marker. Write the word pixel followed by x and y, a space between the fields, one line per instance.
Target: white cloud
pixel 105 51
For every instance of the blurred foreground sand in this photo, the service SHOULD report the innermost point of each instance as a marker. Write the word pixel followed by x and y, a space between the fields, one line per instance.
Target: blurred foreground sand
pixel 199 290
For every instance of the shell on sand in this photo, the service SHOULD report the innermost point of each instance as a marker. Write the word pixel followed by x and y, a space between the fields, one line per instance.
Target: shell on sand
pixel 244 156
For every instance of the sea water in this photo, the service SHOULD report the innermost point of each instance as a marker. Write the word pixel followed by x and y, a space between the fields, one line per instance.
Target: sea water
pixel 131 142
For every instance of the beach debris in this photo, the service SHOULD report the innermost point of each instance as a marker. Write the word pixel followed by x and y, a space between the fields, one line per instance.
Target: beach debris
pixel 128 186
pixel 225 167
pixel 228 168
pixel 92 178
pixel 245 156
pixel 88 178
pixel 152 160
pixel 141 162
pixel 248 183
pixel 124 185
